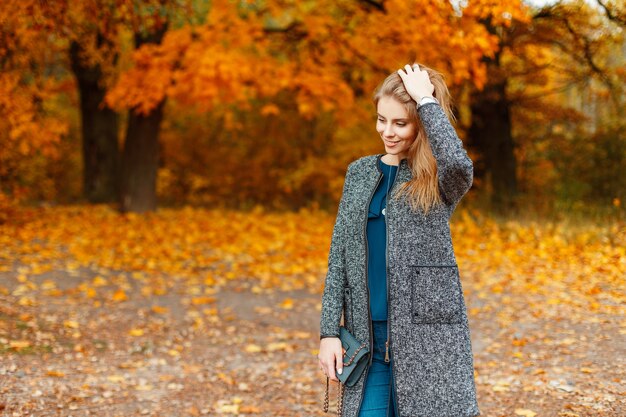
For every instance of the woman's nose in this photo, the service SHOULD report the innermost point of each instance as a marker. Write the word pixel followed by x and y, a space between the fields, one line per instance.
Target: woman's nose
pixel 388 132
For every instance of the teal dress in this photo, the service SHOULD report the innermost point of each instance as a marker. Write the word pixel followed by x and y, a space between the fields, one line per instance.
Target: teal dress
pixel 377 245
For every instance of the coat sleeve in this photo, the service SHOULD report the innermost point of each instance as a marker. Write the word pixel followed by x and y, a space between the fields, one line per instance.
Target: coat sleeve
pixel 332 298
pixel 455 170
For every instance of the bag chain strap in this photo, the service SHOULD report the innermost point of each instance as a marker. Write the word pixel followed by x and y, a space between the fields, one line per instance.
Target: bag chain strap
pixel 339 398
pixel 354 355
pixel 340 389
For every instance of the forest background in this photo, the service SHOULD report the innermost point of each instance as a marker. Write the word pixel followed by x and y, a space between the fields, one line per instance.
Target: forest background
pixel 174 167
pixel 239 104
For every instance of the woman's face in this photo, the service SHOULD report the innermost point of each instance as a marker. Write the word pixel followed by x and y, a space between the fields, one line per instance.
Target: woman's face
pixel 394 127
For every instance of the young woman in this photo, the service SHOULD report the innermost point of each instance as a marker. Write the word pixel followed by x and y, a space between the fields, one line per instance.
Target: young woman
pixel 392 270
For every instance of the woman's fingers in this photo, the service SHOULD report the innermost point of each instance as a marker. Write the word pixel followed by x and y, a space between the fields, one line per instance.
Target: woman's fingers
pixel 330 368
pixel 333 365
pixel 412 72
pixel 416 81
pixel 327 364
pixel 339 361
pixel 331 357
pixel 410 69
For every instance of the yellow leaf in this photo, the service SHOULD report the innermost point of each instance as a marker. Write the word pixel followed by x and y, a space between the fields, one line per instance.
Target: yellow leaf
pixel 159 309
pixel 229 409
pixel 55 373
pixel 209 280
pixel 119 295
pixel 136 332
pixel 71 324
pixel 277 346
pixel 210 311
pixel 202 300
pixel 500 387
pixel 26 301
pixel 99 281
pixel 287 304
pixel 19 344
pixel 252 348
pixel 525 412
pixel 249 409
pixel 48 285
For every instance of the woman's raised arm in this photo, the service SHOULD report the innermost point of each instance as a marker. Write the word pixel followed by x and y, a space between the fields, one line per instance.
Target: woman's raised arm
pixel 455 169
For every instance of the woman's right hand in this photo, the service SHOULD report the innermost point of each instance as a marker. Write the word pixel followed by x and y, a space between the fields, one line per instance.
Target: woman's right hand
pixel 331 356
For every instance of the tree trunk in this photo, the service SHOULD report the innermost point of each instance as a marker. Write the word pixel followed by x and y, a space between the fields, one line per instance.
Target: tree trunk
pixel 140 161
pixel 490 133
pixel 141 150
pixel 99 133
pixel 491 130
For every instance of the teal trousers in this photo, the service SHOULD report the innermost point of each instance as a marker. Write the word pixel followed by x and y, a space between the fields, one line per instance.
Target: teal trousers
pixel 380 398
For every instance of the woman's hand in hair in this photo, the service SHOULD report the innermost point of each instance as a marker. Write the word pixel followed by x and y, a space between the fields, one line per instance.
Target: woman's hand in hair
pixel 331 356
pixel 416 82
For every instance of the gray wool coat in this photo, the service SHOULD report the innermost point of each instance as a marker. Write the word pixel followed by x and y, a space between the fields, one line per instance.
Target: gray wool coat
pixel 430 349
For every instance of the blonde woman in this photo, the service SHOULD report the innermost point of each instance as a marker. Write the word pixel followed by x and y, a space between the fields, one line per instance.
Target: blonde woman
pixel 392 270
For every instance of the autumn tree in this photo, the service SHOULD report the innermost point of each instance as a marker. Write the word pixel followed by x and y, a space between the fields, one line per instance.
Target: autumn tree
pixel 93 31
pixel 30 128
pixel 95 50
pixel 86 37
pixel 302 63
pixel 328 54
pixel 565 38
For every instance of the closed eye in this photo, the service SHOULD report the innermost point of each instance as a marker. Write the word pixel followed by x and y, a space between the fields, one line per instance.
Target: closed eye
pixel 399 123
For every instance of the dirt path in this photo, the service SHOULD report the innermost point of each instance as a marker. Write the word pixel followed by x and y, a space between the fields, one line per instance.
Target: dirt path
pixel 235 352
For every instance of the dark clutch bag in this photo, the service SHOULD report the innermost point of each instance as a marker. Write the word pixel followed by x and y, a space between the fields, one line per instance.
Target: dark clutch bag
pixel 355 360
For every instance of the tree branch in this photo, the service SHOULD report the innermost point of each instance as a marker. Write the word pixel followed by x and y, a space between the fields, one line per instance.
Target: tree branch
pixel 619 19
pixel 380 6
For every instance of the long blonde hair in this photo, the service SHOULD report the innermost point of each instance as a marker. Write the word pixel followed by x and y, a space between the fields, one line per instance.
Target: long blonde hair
pixel 422 191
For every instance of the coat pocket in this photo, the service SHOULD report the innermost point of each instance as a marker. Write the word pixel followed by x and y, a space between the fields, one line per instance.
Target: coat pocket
pixel 435 294
pixel 348 309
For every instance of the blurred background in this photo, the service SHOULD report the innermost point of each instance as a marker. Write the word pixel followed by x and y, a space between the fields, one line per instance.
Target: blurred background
pixel 247 103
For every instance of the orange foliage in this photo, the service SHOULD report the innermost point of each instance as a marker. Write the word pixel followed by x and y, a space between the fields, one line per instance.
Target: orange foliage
pixel 240 61
pixel 557 262
pixel 28 127
pixel 334 48
pixel 132 291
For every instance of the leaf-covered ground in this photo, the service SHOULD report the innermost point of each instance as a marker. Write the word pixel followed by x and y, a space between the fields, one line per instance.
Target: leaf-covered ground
pixel 196 312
